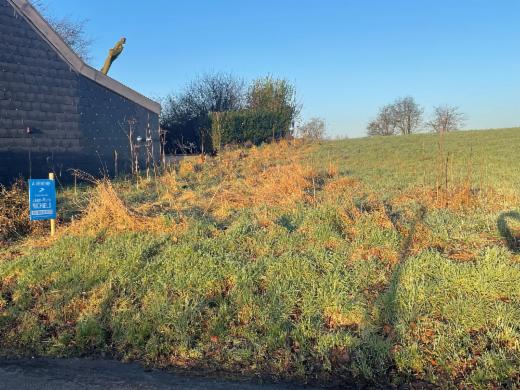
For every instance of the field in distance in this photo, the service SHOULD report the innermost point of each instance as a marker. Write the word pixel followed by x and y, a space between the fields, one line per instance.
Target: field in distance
pixel 384 260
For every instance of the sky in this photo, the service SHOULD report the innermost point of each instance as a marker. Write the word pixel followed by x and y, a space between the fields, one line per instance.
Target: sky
pixel 346 58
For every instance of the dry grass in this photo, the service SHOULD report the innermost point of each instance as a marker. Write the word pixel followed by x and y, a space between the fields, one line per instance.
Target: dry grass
pixel 106 212
pixel 14 214
pixel 460 197
pixel 275 186
pixel 272 176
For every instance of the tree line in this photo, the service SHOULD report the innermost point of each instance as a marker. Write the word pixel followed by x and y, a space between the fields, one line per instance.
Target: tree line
pixel 404 116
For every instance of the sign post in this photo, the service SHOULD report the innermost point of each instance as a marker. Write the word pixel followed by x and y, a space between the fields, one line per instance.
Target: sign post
pixel 53 220
pixel 42 200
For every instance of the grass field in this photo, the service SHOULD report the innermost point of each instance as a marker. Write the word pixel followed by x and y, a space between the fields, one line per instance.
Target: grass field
pixel 377 260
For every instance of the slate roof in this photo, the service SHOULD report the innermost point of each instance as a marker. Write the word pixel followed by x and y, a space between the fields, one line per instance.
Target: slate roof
pixel 25 9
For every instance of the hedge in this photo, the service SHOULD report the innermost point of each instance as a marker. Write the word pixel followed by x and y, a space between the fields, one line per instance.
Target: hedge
pixel 237 127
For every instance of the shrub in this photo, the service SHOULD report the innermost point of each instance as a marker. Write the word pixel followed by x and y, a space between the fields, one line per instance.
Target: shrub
pixel 238 127
pixel 274 95
pixel 266 110
pixel 185 115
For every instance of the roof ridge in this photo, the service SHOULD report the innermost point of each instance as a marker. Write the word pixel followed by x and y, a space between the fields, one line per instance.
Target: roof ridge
pixel 60 46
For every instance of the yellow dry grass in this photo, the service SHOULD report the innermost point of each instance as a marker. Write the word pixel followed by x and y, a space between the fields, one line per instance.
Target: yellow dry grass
pixel 459 197
pixel 337 317
pixel 280 185
pixel 273 175
pixel 274 178
pixel 107 212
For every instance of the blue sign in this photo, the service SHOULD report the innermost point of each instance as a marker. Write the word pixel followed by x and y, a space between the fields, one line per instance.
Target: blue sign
pixel 42 199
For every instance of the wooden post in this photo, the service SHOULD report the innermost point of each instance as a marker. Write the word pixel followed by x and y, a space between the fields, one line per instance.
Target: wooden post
pixel 53 221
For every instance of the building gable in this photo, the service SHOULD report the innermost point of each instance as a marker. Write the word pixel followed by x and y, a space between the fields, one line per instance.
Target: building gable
pixel 53 117
pixel 27 11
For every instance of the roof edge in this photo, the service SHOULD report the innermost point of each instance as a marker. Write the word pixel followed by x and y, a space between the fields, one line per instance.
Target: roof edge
pixel 59 45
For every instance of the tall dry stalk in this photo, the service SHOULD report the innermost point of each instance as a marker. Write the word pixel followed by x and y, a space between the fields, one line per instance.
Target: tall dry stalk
pixel 130 135
pixel 116 168
pixel 441 163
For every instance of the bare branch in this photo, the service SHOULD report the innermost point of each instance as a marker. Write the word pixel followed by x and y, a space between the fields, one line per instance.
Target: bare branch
pixel 71 31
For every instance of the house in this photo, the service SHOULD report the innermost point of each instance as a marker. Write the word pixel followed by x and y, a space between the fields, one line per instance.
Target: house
pixel 58 113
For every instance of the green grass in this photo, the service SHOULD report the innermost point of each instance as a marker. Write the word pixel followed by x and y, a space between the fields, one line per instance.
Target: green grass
pixel 344 284
pixel 488 157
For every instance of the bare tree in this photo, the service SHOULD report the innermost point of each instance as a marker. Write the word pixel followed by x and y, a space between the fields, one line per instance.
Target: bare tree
pixel 446 118
pixel 215 92
pixel 384 124
pixel 314 129
pixel 71 31
pixel 407 115
pixel 186 113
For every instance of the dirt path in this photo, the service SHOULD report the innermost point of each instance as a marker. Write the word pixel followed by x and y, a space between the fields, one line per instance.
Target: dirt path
pixel 72 374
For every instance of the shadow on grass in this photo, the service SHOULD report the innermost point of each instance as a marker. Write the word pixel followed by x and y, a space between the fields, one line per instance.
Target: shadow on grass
pixel 407 243
pixel 404 254
pixel 388 301
pixel 512 241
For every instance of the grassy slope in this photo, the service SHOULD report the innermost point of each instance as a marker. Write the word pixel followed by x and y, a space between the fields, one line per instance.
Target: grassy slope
pixel 334 261
pixel 389 164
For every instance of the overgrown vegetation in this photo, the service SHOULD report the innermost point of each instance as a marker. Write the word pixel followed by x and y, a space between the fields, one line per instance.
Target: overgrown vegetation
pixel 245 126
pixel 14 214
pixel 359 260
pixel 217 109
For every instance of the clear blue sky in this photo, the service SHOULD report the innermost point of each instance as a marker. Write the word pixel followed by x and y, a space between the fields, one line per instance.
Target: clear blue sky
pixel 347 58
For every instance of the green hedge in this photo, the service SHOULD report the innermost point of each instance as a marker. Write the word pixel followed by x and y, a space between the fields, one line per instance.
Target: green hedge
pixel 237 127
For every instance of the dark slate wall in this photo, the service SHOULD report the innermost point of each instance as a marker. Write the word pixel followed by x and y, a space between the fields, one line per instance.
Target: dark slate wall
pixel 75 122
pixel 105 119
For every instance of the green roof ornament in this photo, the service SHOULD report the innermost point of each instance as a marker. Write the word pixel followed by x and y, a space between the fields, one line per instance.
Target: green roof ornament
pixel 113 54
